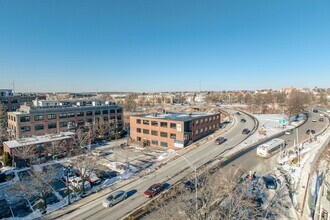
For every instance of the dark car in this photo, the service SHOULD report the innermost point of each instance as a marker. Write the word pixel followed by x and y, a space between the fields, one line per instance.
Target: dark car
pixel 310 131
pixel 321 119
pixel 189 185
pixel 246 131
pixel 315 111
pixel 238 113
pixel 243 120
pixel 153 190
pixel 270 182
pixel 220 140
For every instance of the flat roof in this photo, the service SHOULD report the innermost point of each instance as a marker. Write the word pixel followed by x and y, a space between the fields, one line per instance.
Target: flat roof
pixel 175 116
pixel 38 139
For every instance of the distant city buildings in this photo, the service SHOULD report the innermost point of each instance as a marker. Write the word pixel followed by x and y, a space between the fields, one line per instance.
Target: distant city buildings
pixel 172 130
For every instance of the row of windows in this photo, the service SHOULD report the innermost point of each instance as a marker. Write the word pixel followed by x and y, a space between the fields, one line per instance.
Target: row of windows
pixel 155 123
pixel 65 115
pixel 154 142
pixel 200 131
pixel 205 120
pixel 155 133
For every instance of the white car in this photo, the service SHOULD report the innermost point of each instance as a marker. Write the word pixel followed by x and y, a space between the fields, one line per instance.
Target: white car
pixel 321 115
pixel 114 198
pixel 78 183
pixel 288 132
pixel 313 120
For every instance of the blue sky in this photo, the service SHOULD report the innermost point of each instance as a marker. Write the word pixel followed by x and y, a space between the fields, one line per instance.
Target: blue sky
pixel 163 45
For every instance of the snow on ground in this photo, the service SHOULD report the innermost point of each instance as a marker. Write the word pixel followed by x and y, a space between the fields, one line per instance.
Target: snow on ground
pixel 166 154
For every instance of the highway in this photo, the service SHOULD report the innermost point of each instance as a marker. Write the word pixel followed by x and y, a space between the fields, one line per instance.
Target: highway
pixel 169 174
pixel 250 162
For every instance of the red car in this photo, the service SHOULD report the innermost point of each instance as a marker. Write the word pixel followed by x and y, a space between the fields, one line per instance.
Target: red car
pixel 153 190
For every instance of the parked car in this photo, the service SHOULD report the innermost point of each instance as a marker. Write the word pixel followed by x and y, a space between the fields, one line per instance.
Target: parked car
pixel 220 140
pixel 246 131
pixel 310 131
pixel 321 115
pixel 321 119
pixel 153 190
pixel 243 120
pixel 270 182
pixel 313 119
pixel 99 153
pixel 189 185
pixel 114 198
pixel 315 111
pixel 78 183
pixel 238 113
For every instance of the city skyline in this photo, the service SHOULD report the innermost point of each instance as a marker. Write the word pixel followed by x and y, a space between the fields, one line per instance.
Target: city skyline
pixel 74 46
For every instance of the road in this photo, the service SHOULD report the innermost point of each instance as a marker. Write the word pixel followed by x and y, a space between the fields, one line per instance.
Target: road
pixel 250 162
pixel 168 174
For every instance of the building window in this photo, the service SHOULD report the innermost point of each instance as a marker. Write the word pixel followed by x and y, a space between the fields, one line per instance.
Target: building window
pixel 97 112
pixel 39 127
pixel 63 124
pixel 173 136
pixel 163 144
pixel 138 138
pixel 197 121
pixel 201 130
pixel 163 134
pixel 112 111
pixel 217 116
pixel 202 120
pixel 51 125
pixel 38 117
pixel 62 115
pixel 89 113
pixel 146 122
pixel 145 131
pixel 51 116
pixel 138 121
pixel 172 125
pixel 155 133
pixel 25 128
pixel 105 119
pixel 163 124
pixel 25 119
pixel 138 130
pixel 81 122
pixel 119 110
pixel 71 115
pixel 105 112
pixel 89 120
pixel 196 132
pixel 206 120
pixel 14 101
pixel 153 142
pixel 119 118
pixel 205 129
pixel 80 114
pixel 154 123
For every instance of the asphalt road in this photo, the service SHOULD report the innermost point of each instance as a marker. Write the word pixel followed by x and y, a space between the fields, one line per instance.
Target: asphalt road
pixel 168 174
pixel 250 162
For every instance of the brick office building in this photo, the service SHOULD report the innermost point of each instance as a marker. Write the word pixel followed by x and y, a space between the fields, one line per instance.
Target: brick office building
pixel 172 130
pixel 30 121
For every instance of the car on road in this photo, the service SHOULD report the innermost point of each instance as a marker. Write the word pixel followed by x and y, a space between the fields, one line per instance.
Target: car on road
pixel 220 140
pixel 270 182
pixel 315 111
pixel 288 132
pixel 310 131
pixel 189 185
pixel 321 119
pixel 114 198
pixel 321 115
pixel 246 131
pixel 314 120
pixel 243 120
pixel 238 113
pixel 153 190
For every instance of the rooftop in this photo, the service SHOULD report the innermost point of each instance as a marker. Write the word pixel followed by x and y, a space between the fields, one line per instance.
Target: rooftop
pixel 175 116
pixel 38 139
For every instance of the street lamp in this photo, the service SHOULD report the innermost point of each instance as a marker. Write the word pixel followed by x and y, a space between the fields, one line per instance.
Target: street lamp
pixel 67 170
pixel 196 181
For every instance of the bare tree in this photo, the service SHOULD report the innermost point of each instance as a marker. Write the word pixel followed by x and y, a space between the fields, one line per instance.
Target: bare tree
pixel 295 103
pixel 85 166
pixel 130 104
pixel 37 184
pixel 222 195
pixel 55 147
pixel 26 154
pixel 3 126
pixel 81 139
pixel 102 128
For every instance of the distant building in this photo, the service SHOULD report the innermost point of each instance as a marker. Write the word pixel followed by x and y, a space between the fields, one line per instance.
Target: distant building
pixel 172 130
pixel 12 102
pixel 40 120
